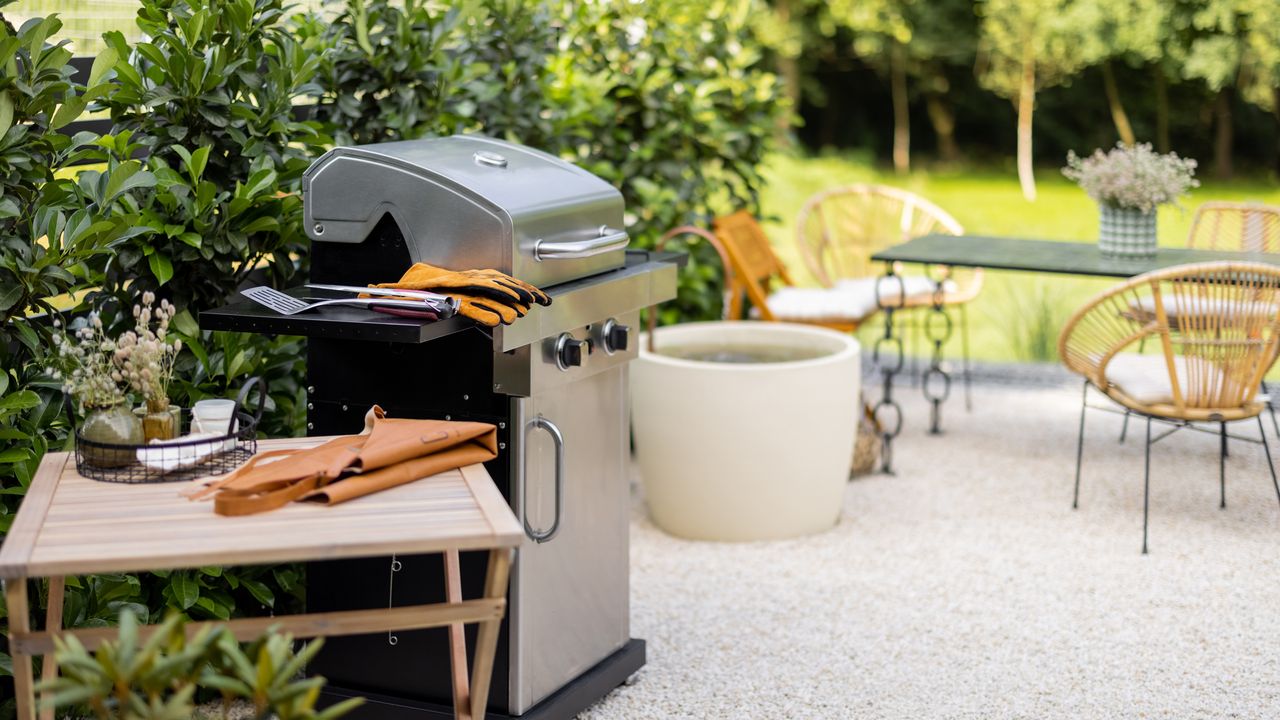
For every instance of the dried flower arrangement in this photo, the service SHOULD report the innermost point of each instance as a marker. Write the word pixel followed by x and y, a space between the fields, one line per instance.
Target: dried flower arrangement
pixel 84 365
pixel 145 354
pixel 1133 176
pixel 98 370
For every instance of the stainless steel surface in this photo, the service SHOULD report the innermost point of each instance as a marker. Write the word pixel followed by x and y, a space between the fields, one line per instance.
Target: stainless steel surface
pixel 532 369
pixel 589 300
pixel 608 241
pixel 289 305
pixel 557 438
pixel 457 206
pixel 571 597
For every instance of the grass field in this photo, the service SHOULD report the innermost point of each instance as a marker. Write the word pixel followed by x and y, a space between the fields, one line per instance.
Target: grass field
pixel 1018 315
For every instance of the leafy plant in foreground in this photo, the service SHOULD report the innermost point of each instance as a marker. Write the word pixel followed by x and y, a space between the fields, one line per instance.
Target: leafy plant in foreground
pixel 157 678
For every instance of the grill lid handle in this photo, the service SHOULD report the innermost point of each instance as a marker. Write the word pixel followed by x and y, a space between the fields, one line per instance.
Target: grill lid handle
pixel 608 241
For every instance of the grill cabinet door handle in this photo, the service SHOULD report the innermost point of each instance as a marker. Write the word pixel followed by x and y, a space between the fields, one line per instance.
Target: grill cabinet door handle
pixel 541 536
pixel 608 241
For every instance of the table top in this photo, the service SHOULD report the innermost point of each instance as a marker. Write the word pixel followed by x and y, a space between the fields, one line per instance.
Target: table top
pixel 1048 256
pixel 70 525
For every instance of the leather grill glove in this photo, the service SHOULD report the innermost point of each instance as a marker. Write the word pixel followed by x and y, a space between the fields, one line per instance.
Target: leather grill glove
pixel 489 284
pixel 534 293
pixel 488 312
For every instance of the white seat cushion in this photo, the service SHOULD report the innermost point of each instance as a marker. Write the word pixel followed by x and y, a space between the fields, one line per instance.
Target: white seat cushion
pixel 917 287
pixel 816 304
pixel 848 301
pixel 1203 307
pixel 1145 378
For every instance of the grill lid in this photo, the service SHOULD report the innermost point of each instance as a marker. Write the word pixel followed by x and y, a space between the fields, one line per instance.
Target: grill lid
pixel 470 201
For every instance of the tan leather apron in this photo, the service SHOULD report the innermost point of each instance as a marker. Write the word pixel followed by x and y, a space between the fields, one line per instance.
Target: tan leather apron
pixel 391 452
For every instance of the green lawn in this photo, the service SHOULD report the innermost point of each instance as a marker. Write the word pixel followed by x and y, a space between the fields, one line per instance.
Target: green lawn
pixel 1018 315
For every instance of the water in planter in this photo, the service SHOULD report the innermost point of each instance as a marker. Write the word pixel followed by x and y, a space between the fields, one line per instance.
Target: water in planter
pixel 742 353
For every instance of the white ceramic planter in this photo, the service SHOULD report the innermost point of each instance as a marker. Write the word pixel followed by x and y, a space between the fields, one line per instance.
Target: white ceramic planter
pixel 745 451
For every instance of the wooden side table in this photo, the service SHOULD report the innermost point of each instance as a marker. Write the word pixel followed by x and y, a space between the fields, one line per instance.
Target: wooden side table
pixel 70 525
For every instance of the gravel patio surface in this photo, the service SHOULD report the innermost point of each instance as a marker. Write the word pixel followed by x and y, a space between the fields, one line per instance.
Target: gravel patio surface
pixel 966 587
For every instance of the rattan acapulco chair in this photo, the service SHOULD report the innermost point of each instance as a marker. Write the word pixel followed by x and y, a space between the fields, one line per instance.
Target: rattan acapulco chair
pixel 1246 227
pixel 755 276
pixel 1218 329
pixel 838 230
pixel 1238 227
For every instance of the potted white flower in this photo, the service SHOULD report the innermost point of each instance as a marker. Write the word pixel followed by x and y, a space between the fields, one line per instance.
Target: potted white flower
pixel 1130 183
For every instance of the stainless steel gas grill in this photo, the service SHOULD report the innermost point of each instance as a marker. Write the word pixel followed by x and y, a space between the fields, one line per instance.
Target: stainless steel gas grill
pixel 554 382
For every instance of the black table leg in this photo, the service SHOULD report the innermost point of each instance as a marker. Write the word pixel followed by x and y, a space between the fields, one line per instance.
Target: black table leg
pixel 889 367
pixel 938 328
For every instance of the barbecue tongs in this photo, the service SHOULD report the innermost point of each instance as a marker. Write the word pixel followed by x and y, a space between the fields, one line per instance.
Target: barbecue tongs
pixel 407 303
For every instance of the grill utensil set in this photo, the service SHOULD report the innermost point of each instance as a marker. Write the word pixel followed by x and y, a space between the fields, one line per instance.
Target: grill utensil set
pixel 393 302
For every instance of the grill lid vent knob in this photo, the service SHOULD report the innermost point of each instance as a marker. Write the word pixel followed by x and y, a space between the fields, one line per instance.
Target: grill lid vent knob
pixel 492 159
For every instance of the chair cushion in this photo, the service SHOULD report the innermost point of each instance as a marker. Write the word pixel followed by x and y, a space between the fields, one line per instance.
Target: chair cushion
pixel 1206 307
pixel 818 304
pixel 917 287
pixel 1145 378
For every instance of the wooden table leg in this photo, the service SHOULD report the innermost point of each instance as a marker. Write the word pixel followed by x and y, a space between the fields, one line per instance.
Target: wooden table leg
pixel 457 639
pixel 495 586
pixel 15 597
pixel 52 623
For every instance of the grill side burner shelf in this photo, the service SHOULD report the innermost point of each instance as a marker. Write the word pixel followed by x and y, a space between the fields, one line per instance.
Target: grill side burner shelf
pixel 564 618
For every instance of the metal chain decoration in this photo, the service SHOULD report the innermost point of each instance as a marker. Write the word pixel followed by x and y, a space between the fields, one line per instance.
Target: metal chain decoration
pixel 888 431
pixel 391 595
pixel 938 328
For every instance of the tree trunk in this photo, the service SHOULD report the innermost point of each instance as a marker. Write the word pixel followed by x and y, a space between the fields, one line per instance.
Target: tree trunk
pixel 944 124
pixel 1118 115
pixel 901 117
pixel 1026 107
pixel 1275 110
pixel 1223 138
pixel 789 71
pixel 1162 109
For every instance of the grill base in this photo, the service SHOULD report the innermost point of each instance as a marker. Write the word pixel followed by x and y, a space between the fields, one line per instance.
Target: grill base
pixel 565 704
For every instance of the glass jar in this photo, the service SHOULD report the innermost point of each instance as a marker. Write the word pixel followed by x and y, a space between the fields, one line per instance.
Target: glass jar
pixel 110 425
pixel 160 421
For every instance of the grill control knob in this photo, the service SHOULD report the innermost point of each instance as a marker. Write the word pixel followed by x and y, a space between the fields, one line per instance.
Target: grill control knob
pixel 614 337
pixel 569 352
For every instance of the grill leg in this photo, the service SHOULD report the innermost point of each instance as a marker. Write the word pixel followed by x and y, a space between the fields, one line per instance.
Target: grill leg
pixel 1084 396
pixel 1270 465
pixel 1222 467
pixel 1146 487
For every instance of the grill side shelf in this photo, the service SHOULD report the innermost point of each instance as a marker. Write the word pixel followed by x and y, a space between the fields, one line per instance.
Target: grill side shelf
pixel 345 323
pixel 348 323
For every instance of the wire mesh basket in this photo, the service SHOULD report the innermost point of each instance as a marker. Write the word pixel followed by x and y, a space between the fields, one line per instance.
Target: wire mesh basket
pixel 183 458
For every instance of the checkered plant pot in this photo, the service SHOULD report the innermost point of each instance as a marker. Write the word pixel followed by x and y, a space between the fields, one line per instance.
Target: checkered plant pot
pixel 1127 232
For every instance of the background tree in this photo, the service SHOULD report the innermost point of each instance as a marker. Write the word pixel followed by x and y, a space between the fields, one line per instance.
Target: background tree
pixel 881 34
pixel 1208 41
pixel 1026 45
pixel 1132 33
pixel 943 40
pixel 1261 55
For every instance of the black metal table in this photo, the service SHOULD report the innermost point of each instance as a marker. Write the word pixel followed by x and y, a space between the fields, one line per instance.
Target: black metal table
pixel 996 253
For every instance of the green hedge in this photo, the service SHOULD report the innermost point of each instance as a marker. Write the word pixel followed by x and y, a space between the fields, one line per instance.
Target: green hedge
pixel 666 99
